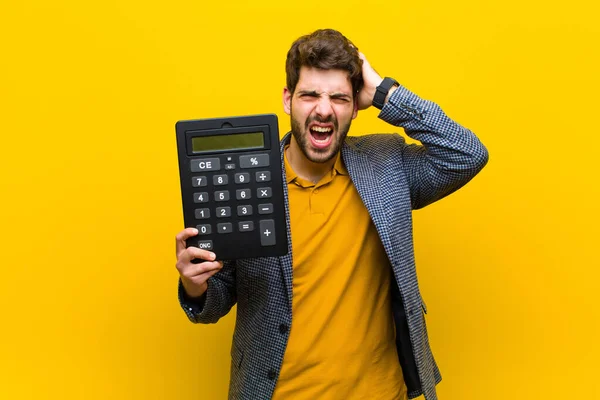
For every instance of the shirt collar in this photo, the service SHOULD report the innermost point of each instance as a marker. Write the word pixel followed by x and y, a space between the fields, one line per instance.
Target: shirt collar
pixel 338 167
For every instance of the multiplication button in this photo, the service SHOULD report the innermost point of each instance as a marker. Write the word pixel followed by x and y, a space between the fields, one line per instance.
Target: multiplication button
pixel 264 193
pixel 267 232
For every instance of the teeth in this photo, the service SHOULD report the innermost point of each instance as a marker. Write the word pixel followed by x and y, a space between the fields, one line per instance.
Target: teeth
pixel 320 129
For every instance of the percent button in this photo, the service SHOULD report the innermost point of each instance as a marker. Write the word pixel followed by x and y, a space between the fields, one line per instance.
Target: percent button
pixel 254 161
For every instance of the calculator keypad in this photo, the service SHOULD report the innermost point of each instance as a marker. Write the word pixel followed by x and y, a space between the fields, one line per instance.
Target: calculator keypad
pixel 218 179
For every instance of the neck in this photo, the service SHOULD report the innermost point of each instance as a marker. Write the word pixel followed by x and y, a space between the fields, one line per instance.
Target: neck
pixel 303 167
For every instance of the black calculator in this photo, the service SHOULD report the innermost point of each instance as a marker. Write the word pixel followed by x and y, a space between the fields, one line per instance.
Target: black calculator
pixel 232 185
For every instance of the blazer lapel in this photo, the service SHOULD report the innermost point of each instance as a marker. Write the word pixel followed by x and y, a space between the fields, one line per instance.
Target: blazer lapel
pixel 286 261
pixel 366 183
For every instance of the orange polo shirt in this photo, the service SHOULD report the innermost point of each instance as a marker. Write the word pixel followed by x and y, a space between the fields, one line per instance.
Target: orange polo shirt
pixel 342 338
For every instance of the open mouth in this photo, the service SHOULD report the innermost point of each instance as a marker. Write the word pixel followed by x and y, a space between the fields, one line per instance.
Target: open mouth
pixel 321 136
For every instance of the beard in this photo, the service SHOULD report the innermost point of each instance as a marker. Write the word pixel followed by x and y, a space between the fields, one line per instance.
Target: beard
pixel 301 134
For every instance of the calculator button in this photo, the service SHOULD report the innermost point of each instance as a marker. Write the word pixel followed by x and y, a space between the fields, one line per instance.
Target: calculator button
pixel 225 227
pixel 205 164
pixel 242 194
pixel 203 229
pixel 220 180
pixel 202 213
pixel 198 181
pixel 205 244
pixel 265 208
pixel 229 167
pixel 246 226
pixel 263 176
pixel 244 210
pixel 222 196
pixel 264 193
pixel 223 212
pixel 201 197
pixel 254 161
pixel 267 232
pixel 242 177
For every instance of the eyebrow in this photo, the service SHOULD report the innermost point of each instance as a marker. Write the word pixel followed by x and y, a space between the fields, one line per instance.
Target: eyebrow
pixel 317 94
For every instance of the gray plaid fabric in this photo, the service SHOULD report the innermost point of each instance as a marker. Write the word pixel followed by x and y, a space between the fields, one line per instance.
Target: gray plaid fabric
pixel 392 178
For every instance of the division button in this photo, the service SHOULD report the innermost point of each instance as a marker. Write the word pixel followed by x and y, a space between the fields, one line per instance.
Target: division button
pixel 225 227
pixel 246 226
pixel 266 208
pixel 205 164
pixel 263 176
pixel 264 193
pixel 267 232
pixel 254 161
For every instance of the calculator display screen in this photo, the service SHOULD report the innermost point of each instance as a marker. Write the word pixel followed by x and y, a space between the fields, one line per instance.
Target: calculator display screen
pixel 238 141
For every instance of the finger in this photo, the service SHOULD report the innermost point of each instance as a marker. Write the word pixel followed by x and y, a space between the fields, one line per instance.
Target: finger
pixel 195 270
pixel 181 237
pixel 192 253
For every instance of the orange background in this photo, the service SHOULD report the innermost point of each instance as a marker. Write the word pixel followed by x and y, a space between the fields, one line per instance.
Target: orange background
pixel 90 93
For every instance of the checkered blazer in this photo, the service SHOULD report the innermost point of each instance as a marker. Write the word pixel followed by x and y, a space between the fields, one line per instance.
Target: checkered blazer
pixel 392 178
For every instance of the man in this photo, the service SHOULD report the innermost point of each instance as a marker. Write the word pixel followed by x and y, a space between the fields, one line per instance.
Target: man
pixel 341 316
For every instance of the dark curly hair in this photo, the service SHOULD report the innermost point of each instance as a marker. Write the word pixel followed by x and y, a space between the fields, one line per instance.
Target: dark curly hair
pixel 324 49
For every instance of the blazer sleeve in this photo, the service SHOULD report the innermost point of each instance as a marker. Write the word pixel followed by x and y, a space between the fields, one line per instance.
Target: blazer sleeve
pixel 218 299
pixel 449 155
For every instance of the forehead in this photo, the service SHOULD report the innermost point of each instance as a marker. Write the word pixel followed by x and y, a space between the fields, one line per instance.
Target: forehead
pixel 324 80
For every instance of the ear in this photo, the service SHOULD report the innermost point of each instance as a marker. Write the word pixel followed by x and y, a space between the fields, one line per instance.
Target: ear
pixel 355 112
pixel 287 101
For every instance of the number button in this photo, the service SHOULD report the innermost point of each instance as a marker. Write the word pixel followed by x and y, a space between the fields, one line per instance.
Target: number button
pixel 264 193
pixel 263 176
pixel 203 229
pixel 244 210
pixel 242 194
pixel 242 177
pixel 198 181
pixel 223 212
pixel 202 213
pixel 225 227
pixel 219 180
pixel 201 197
pixel 222 196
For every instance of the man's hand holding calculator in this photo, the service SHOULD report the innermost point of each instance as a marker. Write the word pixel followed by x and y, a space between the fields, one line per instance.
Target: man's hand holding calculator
pixel 194 276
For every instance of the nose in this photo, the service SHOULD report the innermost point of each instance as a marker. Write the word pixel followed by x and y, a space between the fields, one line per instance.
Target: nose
pixel 323 108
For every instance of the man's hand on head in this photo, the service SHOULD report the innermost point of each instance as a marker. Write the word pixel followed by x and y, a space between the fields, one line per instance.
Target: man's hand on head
pixel 371 80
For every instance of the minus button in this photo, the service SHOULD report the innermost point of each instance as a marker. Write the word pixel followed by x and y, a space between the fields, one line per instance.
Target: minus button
pixel 265 208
